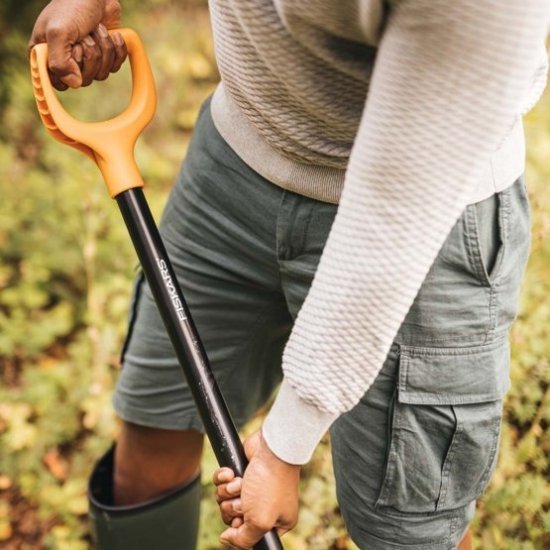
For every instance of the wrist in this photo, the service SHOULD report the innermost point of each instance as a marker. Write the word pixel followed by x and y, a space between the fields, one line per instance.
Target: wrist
pixel 273 458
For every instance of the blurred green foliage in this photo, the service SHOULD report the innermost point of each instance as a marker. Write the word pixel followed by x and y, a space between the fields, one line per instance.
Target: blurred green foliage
pixel 66 267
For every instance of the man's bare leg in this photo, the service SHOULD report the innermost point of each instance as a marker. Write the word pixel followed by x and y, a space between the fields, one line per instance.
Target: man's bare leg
pixel 145 492
pixel 151 461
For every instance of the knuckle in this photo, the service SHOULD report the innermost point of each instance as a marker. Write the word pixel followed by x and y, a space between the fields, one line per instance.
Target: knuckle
pixel 58 67
pixel 221 495
pixel 55 65
pixel 264 526
pixel 226 507
pixel 55 31
pixel 261 523
pixel 107 52
pixel 216 476
pixel 113 10
pixel 108 46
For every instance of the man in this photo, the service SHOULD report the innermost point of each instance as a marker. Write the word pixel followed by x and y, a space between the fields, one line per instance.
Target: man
pixel 407 115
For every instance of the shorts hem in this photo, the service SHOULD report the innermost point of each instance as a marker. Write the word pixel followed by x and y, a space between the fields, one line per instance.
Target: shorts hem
pixel 188 421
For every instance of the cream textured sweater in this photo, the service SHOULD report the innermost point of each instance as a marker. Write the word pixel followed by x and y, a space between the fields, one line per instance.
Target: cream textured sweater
pixel 403 112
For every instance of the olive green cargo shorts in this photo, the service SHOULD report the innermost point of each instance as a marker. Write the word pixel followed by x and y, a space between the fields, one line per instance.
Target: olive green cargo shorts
pixel 411 458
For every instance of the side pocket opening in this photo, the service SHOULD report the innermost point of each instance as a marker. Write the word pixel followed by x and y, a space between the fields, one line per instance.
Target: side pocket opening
pixel 136 292
pixel 445 427
pixel 471 457
pixel 490 220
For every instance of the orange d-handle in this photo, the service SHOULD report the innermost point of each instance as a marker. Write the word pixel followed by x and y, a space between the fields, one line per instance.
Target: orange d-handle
pixel 110 144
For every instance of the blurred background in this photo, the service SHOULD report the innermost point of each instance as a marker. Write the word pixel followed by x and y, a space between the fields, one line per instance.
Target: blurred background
pixel 66 267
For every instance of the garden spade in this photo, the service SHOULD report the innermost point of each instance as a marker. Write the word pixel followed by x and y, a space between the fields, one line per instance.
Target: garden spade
pixel 110 144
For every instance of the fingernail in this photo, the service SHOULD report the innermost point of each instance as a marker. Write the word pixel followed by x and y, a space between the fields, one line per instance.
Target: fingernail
pixel 234 486
pixel 77 53
pixel 102 30
pixel 89 41
pixel 117 39
pixel 237 505
pixel 72 80
pixel 223 476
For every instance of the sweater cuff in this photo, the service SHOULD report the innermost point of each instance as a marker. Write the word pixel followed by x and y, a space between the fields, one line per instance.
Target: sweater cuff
pixel 293 428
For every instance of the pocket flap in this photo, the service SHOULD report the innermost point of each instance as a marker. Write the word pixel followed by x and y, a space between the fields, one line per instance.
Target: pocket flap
pixel 454 376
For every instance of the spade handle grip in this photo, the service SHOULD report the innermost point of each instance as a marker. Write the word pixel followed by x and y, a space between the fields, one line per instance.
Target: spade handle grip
pixel 110 143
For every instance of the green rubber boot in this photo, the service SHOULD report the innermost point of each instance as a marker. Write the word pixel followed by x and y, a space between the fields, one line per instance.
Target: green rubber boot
pixel 170 522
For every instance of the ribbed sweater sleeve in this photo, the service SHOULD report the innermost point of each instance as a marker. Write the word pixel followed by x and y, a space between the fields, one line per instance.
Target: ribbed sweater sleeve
pixel 449 80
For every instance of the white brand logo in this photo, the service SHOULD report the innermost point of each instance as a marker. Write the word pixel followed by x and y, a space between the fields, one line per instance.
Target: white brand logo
pixel 176 302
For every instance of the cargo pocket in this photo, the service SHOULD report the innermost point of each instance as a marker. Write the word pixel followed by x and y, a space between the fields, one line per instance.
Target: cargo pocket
pixel 445 427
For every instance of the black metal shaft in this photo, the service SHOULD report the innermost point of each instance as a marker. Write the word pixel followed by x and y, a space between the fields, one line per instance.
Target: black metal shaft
pixel 219 425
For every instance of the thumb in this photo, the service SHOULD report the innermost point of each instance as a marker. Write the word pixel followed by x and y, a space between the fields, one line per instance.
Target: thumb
pixel 245 536
pixel 60 60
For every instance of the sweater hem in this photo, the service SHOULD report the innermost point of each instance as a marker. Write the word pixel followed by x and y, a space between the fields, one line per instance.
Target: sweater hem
pixel 325 183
